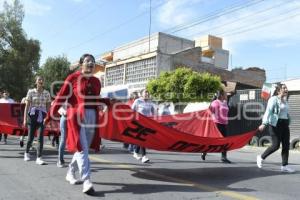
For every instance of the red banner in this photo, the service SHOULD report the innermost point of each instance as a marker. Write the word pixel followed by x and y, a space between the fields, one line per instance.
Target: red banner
pixel 11 120
pixel 189 132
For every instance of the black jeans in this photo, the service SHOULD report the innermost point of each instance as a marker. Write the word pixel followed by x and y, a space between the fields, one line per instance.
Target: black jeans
pixel 34 126
pixel 4 135
pixel 137 149
pixel 279 134
pixel 223 129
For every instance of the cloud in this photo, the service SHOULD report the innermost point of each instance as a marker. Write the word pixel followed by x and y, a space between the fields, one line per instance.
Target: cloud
pixel 34 7
pixel 276 22
pixel 175 12
pixel 31 7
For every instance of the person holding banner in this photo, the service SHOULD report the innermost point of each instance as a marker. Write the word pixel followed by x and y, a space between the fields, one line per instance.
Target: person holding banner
pixel 5 99
pixel 277 119
pixel 82 92
pixel 219 109
pixel 144 106
pixel 36 106
pixel 63 129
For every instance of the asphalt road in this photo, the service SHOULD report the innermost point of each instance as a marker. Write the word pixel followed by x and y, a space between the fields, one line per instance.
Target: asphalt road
pixel 169 176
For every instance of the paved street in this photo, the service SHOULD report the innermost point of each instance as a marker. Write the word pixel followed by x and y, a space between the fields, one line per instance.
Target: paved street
pixel 169 176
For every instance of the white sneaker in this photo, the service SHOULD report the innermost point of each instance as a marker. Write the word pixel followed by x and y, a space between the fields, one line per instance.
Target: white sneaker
pixel 136 156
pixel 60 164
pixel 71 178
pixel 145 159
pixel 259 161
pixel 26 157
pixel 287 169
pixel 87 186
pixel 39 161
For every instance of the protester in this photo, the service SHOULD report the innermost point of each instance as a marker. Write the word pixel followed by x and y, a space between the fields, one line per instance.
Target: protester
pixel 166 109
pixel 22 137
pixel 219 109
pixel 63 134
pixel 36 106
pixel 82 92
pixel 132 98
pixel 144 106
pixel 277 118
pixel 5 99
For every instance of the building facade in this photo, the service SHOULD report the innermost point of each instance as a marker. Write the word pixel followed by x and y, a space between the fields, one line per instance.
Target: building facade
pixel 134 64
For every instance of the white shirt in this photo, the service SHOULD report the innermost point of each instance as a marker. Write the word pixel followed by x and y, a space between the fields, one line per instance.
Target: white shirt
pixel 8 100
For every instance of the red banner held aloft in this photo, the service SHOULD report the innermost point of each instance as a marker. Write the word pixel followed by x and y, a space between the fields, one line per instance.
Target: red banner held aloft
pixel 11 120
pixel 189 132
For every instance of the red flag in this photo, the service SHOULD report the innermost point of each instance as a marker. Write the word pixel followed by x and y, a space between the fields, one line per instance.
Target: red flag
pixel 267 90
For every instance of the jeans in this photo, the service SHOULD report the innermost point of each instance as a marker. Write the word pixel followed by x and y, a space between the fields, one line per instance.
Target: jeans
pixel 33 125
pixel 137 149
pixel 63 135
pixel 80 160
pixel 279 134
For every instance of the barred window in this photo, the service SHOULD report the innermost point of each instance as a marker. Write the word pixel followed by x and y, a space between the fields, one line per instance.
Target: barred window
pixel 114 75
pixel 141 71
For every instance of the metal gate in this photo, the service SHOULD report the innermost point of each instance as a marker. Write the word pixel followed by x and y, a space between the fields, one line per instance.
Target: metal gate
pixel 294 111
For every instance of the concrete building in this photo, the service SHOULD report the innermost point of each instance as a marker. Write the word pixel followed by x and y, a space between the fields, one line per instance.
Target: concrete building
pixel 133 64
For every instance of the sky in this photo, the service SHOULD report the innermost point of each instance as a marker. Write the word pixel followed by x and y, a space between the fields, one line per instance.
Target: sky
pixel 257 33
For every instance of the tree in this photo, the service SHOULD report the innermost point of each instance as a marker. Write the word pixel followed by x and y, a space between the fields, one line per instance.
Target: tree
pixel 184 85
pixel 19 56
pixel 54 69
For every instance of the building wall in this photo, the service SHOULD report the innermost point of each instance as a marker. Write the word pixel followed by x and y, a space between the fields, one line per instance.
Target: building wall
pixel 160 42
pixel 221 58
pixel 169 44
pixel 133 67
pixel 164 63
pixel 136 48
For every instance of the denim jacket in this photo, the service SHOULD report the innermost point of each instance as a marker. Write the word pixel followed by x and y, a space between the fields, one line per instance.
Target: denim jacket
pixel 272 112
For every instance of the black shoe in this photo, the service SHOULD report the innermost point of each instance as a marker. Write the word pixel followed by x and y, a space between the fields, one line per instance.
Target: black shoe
pixel 90 192
pixel 21 143
pixel 203 155
pixel 225 160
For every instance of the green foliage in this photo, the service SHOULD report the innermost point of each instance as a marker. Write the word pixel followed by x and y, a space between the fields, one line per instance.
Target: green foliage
pixel 19 56
pixel 54 69
pixel 184 85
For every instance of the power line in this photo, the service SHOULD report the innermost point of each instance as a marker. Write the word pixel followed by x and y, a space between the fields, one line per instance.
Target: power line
pixel 77 20
pixel 263 25
pixel 74 13
pixel 235 7
pixel 114 27
pixel 150 16
pixel 239 19
pixel 205 16
pixel 214 16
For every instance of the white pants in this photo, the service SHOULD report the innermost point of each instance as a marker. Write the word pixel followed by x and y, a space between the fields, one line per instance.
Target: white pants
pixel 80 160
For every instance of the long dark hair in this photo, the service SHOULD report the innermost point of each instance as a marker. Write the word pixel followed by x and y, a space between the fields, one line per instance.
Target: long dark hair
pixel 278 87
pixel 84 56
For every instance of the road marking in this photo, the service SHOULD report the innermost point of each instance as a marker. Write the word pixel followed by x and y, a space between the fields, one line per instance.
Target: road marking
pixel 218 191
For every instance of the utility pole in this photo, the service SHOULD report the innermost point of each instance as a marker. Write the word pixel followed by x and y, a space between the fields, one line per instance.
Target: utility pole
pixel 285 72
pixel 150 21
